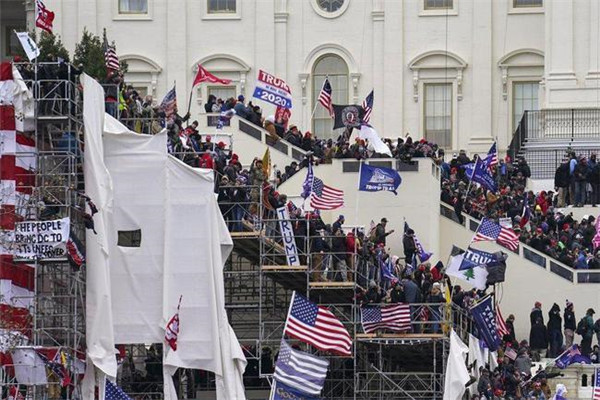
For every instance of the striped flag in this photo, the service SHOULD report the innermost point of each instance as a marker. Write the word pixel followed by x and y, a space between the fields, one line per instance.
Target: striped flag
pixel 395 317
pixel 596 239
pixel 325 197
pixel 490 231
pixel 169 103
pixel 325 97
pixel 317 326
pixel 501 323
pixel 300 370
pixel 492 157
pixel 367 105
pixel 110 57
pixel 596 394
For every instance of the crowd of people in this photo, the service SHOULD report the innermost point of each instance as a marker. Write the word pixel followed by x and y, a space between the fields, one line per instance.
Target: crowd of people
pixel 542 219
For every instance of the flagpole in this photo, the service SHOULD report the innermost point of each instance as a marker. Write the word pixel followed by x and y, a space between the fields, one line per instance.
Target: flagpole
pixel 190 105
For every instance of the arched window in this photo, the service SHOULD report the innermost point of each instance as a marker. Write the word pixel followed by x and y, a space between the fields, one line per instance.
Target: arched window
pixel 335 68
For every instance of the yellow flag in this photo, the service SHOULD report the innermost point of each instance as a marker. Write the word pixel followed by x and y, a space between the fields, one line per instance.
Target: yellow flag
pixel 447 326
pixel 266 162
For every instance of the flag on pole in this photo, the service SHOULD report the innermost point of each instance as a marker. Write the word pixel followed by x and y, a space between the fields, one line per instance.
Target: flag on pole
pixel 423 255
pixel 526 214
pixel 374 179
pixel 480 173
pixel 367 105
pixel 501 323
pixel 596 239
pixel 491 160
pixel 317 326
pixel 477 277
pixel 169 103
pixel 300 370
pixel 113 392
pixel 29 46
pixel 375 143
pixel 281 391
pixel 325 97
pixel 485 319
pixel 266 163
pixel 596 394
pixel 204 76
pixel 172 329
pixel 490 231
pixel 110 56
pixel 308 182
pixel 325 197
pixel 571 356
pixel 44 17
pixel 395 317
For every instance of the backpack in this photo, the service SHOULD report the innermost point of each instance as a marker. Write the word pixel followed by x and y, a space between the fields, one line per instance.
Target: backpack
pixel 582 327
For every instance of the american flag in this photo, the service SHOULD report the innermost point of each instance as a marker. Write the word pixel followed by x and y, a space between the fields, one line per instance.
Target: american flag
pixel 491 231
pixel 596 239
pixel 317 326
pixel 325 197
pixel 501 324
pixel 172 329
pixel 300 370
pixel 395 317
pixel 169 103
pixel 492 157
pixel 110 57
pixel 526 214
pixel 113 392
pixel 367 105
pixel 596 394
pixel 325 97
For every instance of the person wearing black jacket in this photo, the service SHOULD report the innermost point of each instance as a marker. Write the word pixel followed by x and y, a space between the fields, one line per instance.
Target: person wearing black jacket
pixel 555 331
pixel 570 324
pixel 510 325
pixel 538 339
pixel 561 182
pixel 338 248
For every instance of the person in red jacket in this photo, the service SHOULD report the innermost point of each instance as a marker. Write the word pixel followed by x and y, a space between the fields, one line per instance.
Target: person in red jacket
pixel 206 161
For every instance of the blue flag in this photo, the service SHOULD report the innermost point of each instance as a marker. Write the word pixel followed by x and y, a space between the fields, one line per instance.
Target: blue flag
pixel 280 391
pixel 478 258
pixel 375 179
pixel 387 268
pixel 308 182
pixel 480 173
pixel 485 319
pixel 571 356
pixel 423 255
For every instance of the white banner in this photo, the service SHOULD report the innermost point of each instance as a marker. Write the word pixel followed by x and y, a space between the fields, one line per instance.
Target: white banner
pixel 41 239
pixel 287 233
pixel 506 222
pixel 29 45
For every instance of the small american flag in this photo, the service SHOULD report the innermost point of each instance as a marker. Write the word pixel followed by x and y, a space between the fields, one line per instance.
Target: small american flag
pixel 172 329
pixel 596 394
pixel 113 392
pixel 317 326
pixel 491 231
pixel 110 57
pixel 367 105
pixel 169 103
pixel 325 197
pixel 501 324
pixel 325 97
pixel 300 370
pixel 596 239
pixel 492 157
pixel 395 317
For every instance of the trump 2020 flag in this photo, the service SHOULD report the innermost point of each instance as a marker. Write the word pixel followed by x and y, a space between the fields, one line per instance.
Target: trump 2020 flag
pixel 480 173
pixel 299 370
pixel 485 318
pixel 375 179
pixel 571 356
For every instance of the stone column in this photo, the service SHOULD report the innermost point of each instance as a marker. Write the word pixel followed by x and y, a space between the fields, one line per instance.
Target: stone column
pixel 281 45
pixel 177 68
pixel 378 16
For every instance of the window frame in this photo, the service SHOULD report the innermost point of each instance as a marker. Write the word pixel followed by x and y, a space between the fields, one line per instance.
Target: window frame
pixel 315 92
pixel 516 81
pixel 118 16
pixel 223 15
pixel 514 9
pixel 327 14
pixel 437 11
pixel 129 239
pixel 428 83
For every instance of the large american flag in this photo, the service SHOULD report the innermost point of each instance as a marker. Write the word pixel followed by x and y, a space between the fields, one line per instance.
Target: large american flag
pixel 367 105
pixel 317 326
pixel 395 317
pixel 596 394
pixel 113 392
pixel 501 324
pixel 325 97
pixel 110 57
pixel 325 197
pixel 300 370
pixel 491 231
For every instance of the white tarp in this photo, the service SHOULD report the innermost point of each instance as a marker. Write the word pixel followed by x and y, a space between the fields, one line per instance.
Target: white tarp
pixel 183 247
pixel 457 374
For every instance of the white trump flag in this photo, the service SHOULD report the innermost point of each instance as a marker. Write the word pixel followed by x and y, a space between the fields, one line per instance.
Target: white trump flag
pixel 29 45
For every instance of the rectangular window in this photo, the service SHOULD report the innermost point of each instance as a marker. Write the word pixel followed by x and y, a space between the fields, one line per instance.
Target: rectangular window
pixel 222 92
pixel 129 238
pixel 438 114
pixel 133 6
pixel 527 3
pixel 222 6
pixel 525 97
pixel 439 4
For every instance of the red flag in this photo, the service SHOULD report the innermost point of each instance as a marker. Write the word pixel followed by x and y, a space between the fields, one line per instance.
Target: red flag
pixel 204 76
pixel 44 17
pixel 173 329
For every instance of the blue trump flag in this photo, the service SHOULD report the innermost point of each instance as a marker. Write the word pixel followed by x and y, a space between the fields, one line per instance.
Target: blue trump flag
pixel 375 179
pixel 480 173
pixel 280 391
pixel 478 258
pixel 571 356
pixel 485 318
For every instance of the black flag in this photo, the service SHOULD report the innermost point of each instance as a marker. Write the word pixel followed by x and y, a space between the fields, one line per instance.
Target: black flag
pixel 347 116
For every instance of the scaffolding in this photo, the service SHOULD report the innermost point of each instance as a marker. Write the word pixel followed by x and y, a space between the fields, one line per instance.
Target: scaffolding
pixel 58 305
